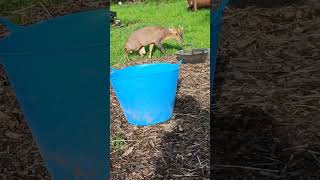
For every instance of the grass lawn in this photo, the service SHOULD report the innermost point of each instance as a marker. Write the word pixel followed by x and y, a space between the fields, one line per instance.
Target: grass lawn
pixel 196 26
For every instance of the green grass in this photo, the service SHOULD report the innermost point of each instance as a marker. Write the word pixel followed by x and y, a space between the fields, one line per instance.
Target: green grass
pixel 117 142
pixel 196 26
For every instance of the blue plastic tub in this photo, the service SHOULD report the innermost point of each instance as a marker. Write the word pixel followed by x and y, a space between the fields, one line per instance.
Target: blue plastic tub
pixel 57 69
pixel 146 92
pixel 215 24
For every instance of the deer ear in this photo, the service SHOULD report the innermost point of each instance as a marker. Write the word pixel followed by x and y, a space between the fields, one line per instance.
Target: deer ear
pixel 171 30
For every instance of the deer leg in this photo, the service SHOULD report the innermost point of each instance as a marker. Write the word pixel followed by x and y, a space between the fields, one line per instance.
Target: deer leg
pixel 142 51
pixel 150 49
pixel 126 54
pixel 161 48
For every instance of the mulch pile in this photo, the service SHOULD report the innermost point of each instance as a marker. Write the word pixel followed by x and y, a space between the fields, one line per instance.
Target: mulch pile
pixel 176 149
pixel 267 110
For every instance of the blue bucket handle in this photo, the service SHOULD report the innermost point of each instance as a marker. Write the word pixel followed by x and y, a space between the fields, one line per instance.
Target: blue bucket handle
pixel 11 26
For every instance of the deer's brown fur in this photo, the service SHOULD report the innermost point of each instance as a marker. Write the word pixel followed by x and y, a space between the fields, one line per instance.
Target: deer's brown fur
pixel 151 35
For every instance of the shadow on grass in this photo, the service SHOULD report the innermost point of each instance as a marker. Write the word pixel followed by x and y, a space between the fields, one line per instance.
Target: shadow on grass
pixel 171 46
pixel 185 150
pixel 166 46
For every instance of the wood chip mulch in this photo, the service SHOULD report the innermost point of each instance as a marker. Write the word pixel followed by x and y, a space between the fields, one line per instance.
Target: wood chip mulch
pixel 267 89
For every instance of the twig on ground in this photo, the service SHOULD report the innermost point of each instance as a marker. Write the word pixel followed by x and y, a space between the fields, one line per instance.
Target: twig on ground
pixel 45 8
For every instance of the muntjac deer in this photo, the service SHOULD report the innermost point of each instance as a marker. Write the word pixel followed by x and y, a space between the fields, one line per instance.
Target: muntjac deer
pixel 151 35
